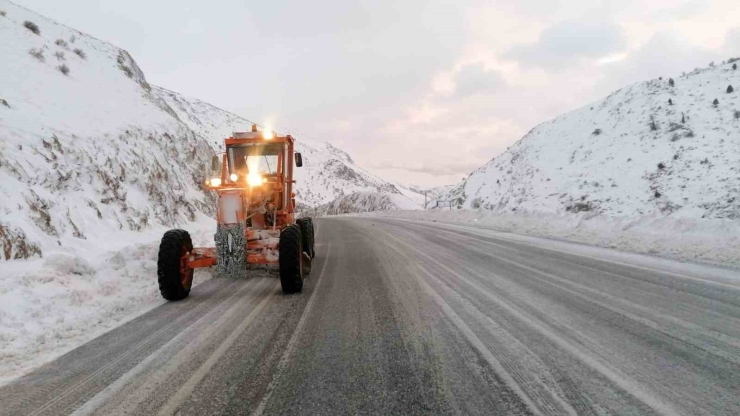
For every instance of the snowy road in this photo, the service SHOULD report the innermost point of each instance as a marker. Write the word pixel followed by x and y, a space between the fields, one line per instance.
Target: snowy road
pixel 405 317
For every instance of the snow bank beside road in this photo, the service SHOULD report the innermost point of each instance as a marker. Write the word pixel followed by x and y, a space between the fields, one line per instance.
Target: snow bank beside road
pixel 364 202
pixel 714 241
pixel 50 306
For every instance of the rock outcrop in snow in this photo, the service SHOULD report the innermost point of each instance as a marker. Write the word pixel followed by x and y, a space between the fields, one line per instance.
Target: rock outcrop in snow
pixel 633 153
pixel 89 149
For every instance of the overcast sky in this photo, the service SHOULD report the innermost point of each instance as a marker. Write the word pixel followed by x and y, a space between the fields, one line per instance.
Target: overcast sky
pixel 420 92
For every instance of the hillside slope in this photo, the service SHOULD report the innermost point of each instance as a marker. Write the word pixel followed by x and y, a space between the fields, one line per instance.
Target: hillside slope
pixel 633 153
pixel 90 153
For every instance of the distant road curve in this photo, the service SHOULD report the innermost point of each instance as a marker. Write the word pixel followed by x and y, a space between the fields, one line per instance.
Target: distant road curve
pixel 403 317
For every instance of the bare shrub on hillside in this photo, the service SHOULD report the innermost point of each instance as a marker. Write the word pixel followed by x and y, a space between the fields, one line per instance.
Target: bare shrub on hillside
pixel 580 207
pixel 653 125
pixel 123 67
pixel 38 54
pixel 596 132
pixel 41 216
pixel 33 27
pixel 76 232
pixel 674 126
pixel 2 13
pixel 127 70
pixel 15 245
pixel 61 42
pixel 80 53
pixel 60 55
pixel 64 69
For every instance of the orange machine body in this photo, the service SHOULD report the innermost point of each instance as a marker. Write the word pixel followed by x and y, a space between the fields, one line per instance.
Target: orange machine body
pixel 263 209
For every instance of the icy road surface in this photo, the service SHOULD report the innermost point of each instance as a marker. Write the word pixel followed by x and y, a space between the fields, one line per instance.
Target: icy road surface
pixel 405 317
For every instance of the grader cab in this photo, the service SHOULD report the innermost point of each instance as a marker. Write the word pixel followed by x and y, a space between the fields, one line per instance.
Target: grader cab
pixel 255 219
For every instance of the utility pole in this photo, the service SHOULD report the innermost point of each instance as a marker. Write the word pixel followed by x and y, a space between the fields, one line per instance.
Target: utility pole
pixel 425 200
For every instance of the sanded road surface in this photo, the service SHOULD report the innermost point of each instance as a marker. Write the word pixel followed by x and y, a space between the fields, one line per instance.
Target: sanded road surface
pixel 402 317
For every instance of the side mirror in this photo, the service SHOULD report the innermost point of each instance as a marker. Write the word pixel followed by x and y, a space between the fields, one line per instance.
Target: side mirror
pixel 298 160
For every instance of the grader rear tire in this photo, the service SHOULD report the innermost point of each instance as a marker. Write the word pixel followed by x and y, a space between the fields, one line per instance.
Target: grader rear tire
pixel 175 278
pixel 291 261
pixel 313 234
pixel 307 235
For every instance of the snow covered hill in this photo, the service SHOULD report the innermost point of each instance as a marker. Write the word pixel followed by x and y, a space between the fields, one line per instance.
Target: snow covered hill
pixel 89 149
pixel 653 148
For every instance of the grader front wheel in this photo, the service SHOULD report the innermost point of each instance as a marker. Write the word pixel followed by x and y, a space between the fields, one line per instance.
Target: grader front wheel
pixel 174 275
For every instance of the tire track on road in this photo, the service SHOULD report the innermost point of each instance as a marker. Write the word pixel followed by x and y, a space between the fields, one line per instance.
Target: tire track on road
pixel 510 373
pixel 186 390
pixel 290 347
pixel 179 353
pixel 198 311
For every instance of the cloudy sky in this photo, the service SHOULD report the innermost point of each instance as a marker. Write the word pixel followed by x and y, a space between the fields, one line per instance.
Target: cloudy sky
pixel 420 92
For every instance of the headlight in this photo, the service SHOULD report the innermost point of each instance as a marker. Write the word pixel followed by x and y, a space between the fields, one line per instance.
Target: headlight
pixel 216 182
pixel 268 134
pixel 254 179
pixel 233 177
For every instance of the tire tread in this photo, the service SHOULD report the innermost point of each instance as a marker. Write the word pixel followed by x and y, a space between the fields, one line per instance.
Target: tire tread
pixel 168 264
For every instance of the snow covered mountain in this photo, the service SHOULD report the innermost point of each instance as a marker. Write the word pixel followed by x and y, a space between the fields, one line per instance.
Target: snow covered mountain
pixel 89 149
pixel 660 147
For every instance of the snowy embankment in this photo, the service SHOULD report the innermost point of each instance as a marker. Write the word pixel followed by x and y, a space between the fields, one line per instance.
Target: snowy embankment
pixel 715 241
pixel 54 304
pixel 80 290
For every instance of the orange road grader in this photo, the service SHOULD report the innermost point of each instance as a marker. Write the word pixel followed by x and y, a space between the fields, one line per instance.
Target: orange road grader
pixel 255 215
